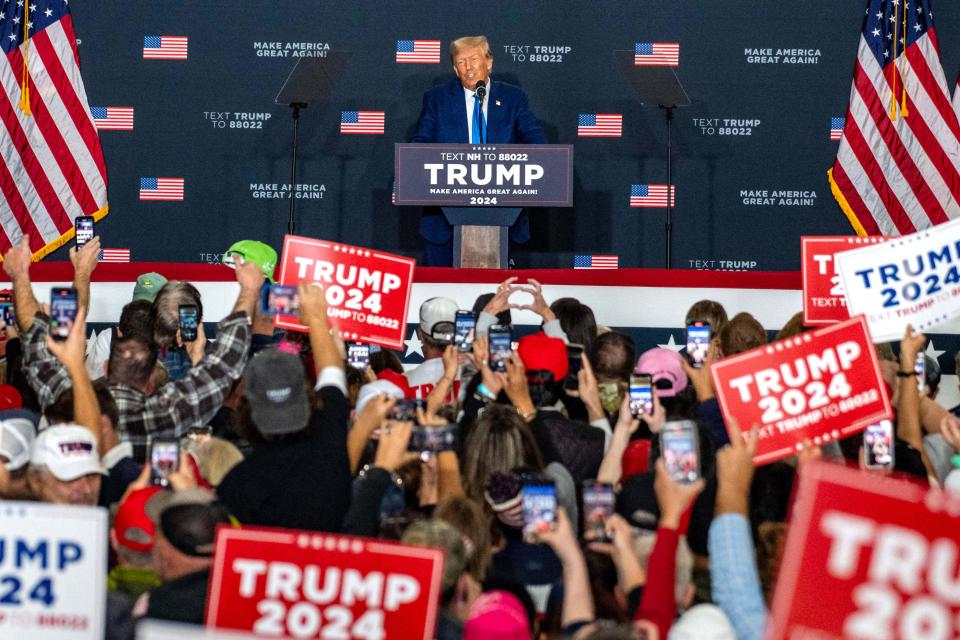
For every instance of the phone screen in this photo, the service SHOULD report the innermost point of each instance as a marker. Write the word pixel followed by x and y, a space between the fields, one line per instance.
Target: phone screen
pixel 63 311
pixel 678 443
pixel 358 355
pixel 433 439
pixel 574 364
pixel 539 509
pixel 598 504
pixel 280 299
pixel 878 445
pixel 698 342
pixel 406 410
pixel 921 368
pixel 164 460
pixel 6 309
pixel 83 228
pixel 464 331
pixel 189 319
pixel 500 348
pixel 641 395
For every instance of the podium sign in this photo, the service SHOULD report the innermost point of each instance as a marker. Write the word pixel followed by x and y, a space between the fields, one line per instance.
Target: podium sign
pixel 502 175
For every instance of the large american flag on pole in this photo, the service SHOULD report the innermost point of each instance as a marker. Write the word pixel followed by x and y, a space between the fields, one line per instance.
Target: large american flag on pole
pixel 898 167
pixel 51 164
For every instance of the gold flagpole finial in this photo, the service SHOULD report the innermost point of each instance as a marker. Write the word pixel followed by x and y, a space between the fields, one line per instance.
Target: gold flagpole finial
pixel 25 79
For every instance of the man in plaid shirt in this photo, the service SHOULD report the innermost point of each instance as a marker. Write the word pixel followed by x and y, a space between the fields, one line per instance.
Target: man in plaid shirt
pixel 144 415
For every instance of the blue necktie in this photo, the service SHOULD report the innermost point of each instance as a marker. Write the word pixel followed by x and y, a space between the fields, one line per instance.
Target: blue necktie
pixel 477 119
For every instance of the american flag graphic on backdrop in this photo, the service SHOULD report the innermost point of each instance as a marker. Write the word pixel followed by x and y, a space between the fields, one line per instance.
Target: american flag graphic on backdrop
pixel 656 54
pixel 596 262
pixel 112 118
pixel 652 196
pixel 161 188
pixel 51 163
pixel 369 122
pixel 165 47
pixel 114 255
pixel 836 128
pixel 600 125
pixel 418 52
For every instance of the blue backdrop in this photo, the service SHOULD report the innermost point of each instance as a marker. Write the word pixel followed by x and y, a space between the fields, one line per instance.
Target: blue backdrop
pixel 751 153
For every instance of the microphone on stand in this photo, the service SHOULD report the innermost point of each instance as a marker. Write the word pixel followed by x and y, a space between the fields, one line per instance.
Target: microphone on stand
pixel 481 90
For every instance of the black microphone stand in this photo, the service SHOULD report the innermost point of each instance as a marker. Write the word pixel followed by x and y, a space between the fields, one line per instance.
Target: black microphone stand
pixel 481 95
pixel 296 106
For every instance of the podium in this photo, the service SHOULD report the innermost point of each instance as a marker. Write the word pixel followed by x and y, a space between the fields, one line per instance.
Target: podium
pixel 482 189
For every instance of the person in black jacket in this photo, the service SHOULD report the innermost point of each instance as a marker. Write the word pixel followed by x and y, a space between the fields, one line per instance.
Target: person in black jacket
pixel 298 475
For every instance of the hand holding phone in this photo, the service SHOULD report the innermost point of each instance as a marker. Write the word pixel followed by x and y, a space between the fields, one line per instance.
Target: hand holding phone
pixel 63 311
pixel 598 505
pixel 641 395
pixel 358 355
pixel 433 438
pixel 680 450
pixel 464 330
pixel 280 299
pixel 189 320
pixel 164 460
pixel 406 410
pixel 83 230
pixel 500 348
pixel 920 367
pixel 698 343
pixel 878 446
pixel 539 509
pixel 574 364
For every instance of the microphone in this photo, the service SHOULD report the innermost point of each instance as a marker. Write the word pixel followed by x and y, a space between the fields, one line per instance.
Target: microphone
pixel 481 90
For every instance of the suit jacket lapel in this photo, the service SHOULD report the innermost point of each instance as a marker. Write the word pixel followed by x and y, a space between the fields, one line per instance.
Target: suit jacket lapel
pixel 456 97
pixel 494 113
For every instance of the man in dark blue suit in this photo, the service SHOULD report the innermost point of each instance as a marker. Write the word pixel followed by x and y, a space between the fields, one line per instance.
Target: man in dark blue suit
pixel 453 113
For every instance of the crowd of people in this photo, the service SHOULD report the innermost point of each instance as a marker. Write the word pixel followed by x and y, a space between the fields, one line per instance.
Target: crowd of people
pixel 277 429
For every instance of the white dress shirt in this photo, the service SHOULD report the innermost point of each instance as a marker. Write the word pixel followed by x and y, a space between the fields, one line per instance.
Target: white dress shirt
pixel 468 99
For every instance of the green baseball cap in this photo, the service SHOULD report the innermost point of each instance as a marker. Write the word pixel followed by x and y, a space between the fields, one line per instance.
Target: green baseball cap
pixel 148 286
pixel 254 251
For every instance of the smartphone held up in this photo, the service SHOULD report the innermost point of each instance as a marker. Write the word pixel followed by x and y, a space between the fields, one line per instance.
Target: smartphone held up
pixel 878 446
pixel 83 230
pixel 189 322
pixel 641 395
pixel 63 311
pixel 681 450
pixel 164 460
pixel 698 343
pixel 500 347
pixel 539 509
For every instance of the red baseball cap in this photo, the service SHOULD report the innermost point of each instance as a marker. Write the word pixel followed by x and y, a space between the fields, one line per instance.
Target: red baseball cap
pixel 9 398
pixel 541 352
pixel 133 527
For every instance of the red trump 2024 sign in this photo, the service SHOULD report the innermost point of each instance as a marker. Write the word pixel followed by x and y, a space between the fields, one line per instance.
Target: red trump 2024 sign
pixel 820 385
pixel 868 557
pixel 823 299
pixel 279 583
pixel 367 291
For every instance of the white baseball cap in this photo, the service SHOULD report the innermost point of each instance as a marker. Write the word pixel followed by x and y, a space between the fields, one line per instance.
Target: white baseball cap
pixel 69 451
pixel 372 389
pixel 16 439
pixel 437 310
